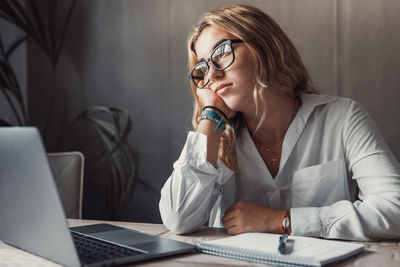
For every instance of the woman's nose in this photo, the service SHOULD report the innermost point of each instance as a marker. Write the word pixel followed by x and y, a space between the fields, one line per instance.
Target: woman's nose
pixel 214 74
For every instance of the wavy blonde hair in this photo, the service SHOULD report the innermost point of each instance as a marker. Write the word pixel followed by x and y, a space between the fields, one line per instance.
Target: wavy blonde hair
pixel 278 64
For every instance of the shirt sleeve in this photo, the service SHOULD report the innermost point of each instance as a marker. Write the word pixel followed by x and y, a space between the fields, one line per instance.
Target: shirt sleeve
pixel 190 192
pixel 376 212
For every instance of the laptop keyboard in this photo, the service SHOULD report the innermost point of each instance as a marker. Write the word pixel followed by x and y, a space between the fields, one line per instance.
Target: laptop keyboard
pixel 92 250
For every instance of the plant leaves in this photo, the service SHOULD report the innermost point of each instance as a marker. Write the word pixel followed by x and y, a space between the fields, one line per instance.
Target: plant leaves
pixel 16 14
pixel 9 83
pixel 41 30
pixel 120 155
pixel 64 30
pixel 14 46
pixel 12 106
pixel 4 123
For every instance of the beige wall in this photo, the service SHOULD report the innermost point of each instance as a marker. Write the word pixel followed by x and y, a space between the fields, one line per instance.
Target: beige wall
pixel 133 54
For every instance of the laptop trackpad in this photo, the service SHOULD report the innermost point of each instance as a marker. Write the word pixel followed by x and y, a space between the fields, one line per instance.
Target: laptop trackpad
pixel 125 237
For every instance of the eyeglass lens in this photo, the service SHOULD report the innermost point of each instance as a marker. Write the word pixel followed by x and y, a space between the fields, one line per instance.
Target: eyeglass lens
pixel 221 58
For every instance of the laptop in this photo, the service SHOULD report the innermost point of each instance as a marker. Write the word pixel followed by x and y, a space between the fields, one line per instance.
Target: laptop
pixel 32 217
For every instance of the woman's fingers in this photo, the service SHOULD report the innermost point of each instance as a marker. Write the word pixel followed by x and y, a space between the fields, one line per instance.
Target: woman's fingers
pixel 248 217
pixel 208 98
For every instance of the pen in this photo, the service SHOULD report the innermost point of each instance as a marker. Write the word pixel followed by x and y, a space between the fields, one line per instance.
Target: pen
pixel 282 243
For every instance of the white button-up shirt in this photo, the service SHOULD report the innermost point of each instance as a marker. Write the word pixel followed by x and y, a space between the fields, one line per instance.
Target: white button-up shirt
pixel 336 174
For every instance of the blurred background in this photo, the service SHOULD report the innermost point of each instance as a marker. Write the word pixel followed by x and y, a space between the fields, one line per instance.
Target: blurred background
pixel 131 54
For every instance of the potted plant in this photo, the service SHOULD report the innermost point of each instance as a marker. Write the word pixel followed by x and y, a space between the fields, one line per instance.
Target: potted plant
pixel 40 22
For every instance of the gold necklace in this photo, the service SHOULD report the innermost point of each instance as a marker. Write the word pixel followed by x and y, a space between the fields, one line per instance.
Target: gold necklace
pixel 276 153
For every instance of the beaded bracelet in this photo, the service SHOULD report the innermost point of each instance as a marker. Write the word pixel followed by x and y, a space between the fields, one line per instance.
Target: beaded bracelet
pixel 217 109
pixel 227 121
pixel 211 115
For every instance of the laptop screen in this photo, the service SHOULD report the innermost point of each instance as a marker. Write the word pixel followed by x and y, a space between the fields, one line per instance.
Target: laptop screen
pixel 31 214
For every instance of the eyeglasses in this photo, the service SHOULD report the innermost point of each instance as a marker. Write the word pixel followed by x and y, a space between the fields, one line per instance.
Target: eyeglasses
pixel 221 58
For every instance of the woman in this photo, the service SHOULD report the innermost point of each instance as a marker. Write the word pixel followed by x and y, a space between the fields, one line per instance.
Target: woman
pixel 269 154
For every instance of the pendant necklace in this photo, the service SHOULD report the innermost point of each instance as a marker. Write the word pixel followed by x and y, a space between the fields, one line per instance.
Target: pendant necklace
pixel 276 153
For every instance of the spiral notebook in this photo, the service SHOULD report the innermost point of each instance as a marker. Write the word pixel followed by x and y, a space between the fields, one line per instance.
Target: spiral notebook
pixel 263 248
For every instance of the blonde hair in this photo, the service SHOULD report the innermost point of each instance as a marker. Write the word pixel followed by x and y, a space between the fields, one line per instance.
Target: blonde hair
pixel 278 64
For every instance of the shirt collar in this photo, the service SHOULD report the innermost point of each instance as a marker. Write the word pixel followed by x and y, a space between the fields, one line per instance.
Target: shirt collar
pixel 309 103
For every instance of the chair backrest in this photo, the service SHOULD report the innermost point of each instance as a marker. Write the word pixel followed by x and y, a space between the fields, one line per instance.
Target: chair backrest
pixel 67 168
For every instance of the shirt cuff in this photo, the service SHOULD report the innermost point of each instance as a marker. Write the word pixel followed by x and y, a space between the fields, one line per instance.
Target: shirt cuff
pixel 195 151
pixel 305 222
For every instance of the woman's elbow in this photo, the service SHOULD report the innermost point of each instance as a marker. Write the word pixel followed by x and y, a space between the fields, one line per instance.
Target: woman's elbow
pixel 181 228
pixel 179 224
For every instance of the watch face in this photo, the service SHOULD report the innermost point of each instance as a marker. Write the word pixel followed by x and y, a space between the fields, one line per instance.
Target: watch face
pixel 286 222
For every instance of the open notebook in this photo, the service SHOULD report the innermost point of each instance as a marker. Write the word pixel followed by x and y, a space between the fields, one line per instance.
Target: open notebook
pixel 262 247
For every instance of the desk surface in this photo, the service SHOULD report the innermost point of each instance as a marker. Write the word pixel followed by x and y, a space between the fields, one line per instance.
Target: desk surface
pixel 376 253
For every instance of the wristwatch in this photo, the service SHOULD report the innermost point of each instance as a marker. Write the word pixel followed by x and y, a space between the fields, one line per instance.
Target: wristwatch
pixel 286 222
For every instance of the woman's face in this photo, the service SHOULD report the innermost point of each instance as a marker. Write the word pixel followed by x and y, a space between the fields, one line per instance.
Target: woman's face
pixel 235 84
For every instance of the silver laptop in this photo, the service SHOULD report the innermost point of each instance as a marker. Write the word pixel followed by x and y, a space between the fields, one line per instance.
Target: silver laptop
pixel 32 217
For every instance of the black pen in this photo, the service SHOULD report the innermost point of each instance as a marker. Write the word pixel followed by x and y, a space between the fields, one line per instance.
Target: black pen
pixel 283 239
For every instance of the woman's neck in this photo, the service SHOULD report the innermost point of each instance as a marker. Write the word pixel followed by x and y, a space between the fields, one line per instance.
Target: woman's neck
pixel 281 110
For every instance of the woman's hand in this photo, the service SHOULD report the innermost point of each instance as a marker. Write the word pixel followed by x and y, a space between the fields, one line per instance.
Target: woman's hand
pixel 208 98
pixel 245 217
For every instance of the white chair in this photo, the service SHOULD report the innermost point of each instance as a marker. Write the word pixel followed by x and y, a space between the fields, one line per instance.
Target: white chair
pixel 67 168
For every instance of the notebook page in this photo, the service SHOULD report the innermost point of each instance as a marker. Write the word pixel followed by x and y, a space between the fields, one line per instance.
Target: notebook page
pixel 322 250
pixel 255 241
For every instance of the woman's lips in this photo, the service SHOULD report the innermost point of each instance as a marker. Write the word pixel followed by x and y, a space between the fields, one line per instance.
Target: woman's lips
pixel 221 89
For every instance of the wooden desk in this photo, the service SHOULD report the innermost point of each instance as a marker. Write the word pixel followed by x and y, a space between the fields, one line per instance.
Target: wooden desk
pixel 383 254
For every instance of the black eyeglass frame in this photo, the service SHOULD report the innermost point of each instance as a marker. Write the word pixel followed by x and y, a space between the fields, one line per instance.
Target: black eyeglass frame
pixel 230 42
